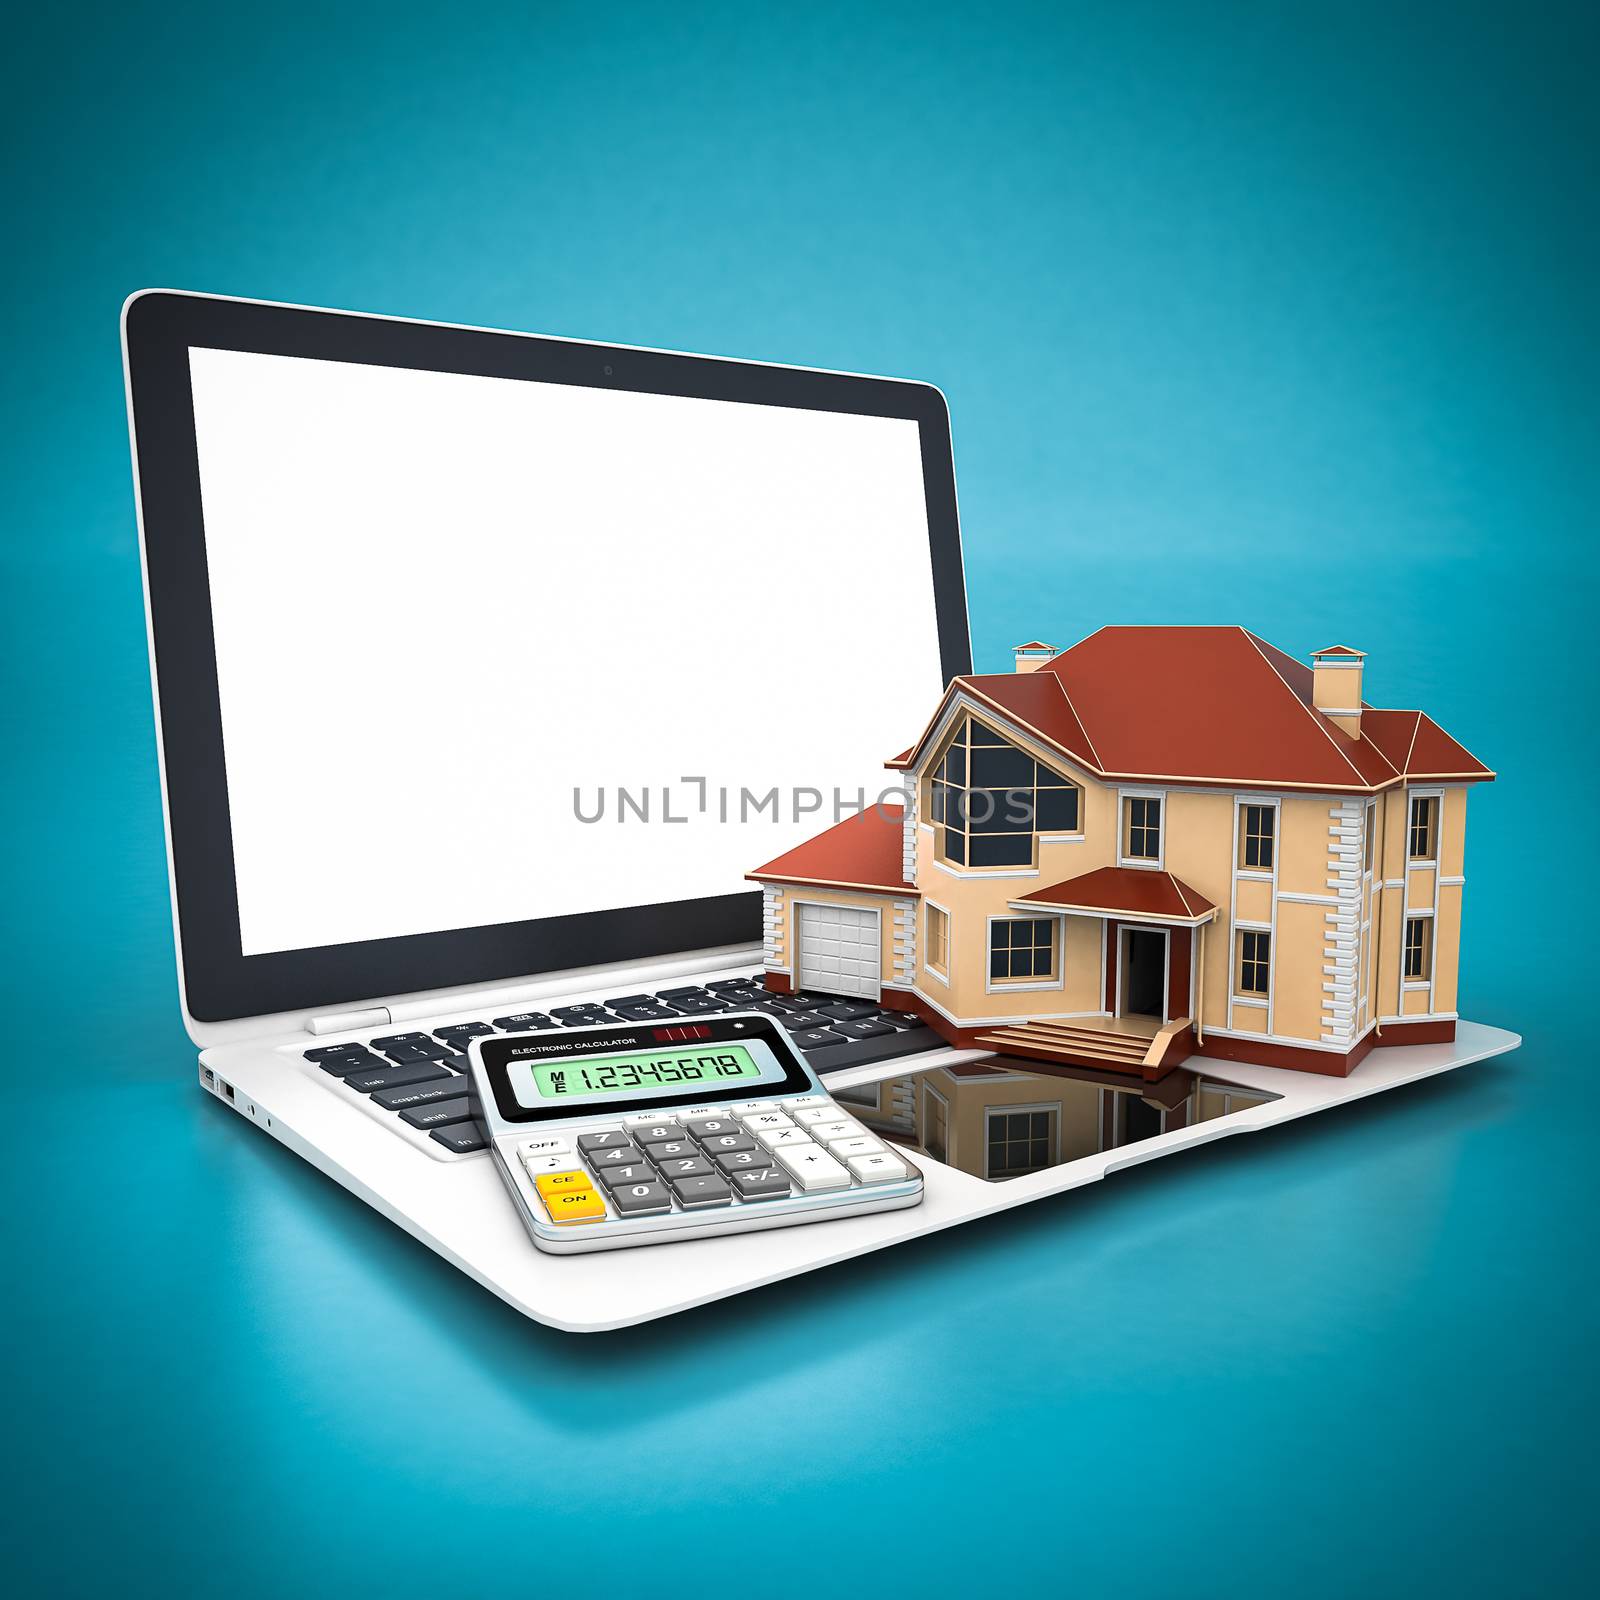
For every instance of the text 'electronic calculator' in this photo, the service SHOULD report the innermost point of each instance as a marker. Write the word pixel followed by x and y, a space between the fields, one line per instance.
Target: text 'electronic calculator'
pixel 614 1136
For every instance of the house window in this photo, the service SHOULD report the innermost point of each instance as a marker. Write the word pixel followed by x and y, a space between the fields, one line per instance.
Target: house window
pixel 1424 826
pixel 1019 1141
pixel 990 798
pixel 1142 832
pixel 1368 828
pixel 1255 962
pixel 937 940
pixel 1419 949
pixel 1022 947
pixel 1260 827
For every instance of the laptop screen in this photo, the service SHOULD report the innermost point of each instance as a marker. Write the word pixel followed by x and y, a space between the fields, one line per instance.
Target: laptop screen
pixel 490 649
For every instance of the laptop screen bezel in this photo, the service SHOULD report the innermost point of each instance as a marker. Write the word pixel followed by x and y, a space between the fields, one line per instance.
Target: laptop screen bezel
pixel 220 983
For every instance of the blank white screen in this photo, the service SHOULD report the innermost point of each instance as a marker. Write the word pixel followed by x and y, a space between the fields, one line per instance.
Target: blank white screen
pixel 442 603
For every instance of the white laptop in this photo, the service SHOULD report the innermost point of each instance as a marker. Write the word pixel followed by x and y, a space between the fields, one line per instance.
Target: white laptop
pixel 486 666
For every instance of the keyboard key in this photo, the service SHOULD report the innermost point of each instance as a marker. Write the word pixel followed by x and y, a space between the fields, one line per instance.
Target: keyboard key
pixel 866 1145
pixel 692 1006
pixel 389 1039
pixel 728 1143
pixel 646 1013
pixel 343 1066
pixel 447 1087
pixel 462 1137
pixel 846 1011
pixel 701 1189
pixel 866 1028
pixel 883 1168
pixel 626 1172
pixel 615 1155
pixel 675 1167
pixel 576 1014
pixel 905 1021
pixel 776 1138
pixel 827 1132
pixel 550 1144
pixel 810 1039
pixel 556 1182
pixel 397 1077
pixel 641 1199
pixel 670 1150
pixel 863 1052
pixel 602 1139
pixel 332 1052
pixel 803 1021
pixel 696 991
pixel 404 1054
pixel 761 1183
pixel 656 1132
pixel 524 1021
pixel 738 1160
pixel 811 1167
pixel 458 1034
pixel 439 1115
pixel 569 1205
pixel 630 1000
pixel 708 1127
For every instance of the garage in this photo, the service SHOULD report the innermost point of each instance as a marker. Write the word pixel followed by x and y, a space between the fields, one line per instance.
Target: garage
pixel 839 950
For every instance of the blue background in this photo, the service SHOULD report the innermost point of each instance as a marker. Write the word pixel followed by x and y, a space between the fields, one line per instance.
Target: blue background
pixel 1279 315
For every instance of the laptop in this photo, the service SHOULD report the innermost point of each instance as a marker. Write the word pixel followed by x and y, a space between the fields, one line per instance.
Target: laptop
pixel 486 666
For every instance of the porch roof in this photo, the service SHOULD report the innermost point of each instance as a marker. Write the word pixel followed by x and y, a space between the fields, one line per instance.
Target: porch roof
pixel 1139 893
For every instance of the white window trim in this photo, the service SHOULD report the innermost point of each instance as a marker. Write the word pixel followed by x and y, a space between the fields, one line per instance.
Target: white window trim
pixel 927 966
pixel 1053 1107
pixel 1058 958
pixel 1156 863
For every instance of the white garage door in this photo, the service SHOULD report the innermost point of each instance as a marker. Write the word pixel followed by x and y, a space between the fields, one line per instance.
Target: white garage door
pixel 839 950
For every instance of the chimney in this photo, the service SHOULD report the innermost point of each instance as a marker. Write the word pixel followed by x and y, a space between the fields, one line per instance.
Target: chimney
pixel 1336 686
pixel 1033 655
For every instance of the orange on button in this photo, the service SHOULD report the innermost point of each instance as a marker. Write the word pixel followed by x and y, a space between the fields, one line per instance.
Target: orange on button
pixel 548 1183
pixel 574 1205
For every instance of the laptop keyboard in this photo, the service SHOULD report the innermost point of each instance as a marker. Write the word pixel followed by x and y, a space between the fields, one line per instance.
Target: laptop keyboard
pixel 419 1077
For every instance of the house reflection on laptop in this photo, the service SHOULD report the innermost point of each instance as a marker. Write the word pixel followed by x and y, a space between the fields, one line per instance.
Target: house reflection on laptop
pixel 996 1119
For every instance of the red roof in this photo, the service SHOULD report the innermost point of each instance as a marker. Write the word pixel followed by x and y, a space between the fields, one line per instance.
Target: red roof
pixel 1132 891
pixel 862 852
pixel 1207 705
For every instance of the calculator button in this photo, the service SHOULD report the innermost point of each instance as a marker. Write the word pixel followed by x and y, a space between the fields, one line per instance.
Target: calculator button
pixel 670 1150
pixel 812 1167
pixel 740 1160
pixel 761 1183
pixel 604 1138
pixel 754 1108
pixel 842 1129
pixel 551 1145
pixel 772 1138
pixel 767 1119
pixel 574 1205
pixel 704 1128
pixel 705 1189
pixel 555 1182
pixel 640 1199
pixel 632 1172
pixel 862 1146
pixel 615 1155
pixel 806 1116
pixel 684 1167
pixel 883 1168
pixel 538 1164
pixel 725 1143
pixel 655 1132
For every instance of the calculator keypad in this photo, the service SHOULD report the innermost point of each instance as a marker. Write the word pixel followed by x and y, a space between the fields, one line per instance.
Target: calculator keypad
pixel 750 1155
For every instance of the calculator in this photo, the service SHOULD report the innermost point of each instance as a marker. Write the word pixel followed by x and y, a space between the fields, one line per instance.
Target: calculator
pixel 616 1136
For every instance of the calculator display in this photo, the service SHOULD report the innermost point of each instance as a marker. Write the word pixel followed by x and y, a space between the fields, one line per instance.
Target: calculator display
pixel 644 1075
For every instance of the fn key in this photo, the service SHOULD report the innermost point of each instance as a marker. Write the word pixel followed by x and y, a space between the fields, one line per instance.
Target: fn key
pixel 461 1137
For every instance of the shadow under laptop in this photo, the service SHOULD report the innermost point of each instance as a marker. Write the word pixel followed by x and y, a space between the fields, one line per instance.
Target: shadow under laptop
pixel 837 1323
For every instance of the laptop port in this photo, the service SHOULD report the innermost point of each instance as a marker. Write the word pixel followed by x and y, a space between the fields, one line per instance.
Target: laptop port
pixel 227 1090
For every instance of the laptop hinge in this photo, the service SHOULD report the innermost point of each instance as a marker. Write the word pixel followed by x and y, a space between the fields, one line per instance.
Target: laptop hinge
pixel 349 1021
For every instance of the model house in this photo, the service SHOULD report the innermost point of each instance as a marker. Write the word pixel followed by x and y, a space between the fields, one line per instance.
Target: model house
pixel 1160 843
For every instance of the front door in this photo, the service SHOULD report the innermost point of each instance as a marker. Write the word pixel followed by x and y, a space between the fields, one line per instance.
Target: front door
pixel 1144 973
